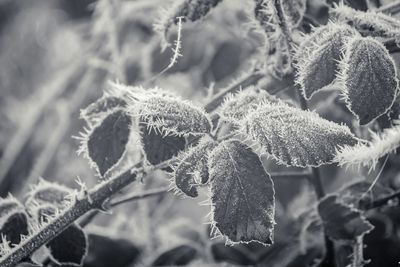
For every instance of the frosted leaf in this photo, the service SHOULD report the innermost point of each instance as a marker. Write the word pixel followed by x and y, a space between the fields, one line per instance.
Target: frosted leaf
pixel 13 220
pixel 296 137
pixel 69 247
pixel 368 23
pixel 159 146
pixel 48 192
pixel 102 106
pixel 368 76
pixel 237 106
pixel 317 57
pixel 188 10
pixel 174 116
pixel 192 168
pixel 242 194
pixel 368 154
pixel 265 14
pixel 106 143
pixel 342 222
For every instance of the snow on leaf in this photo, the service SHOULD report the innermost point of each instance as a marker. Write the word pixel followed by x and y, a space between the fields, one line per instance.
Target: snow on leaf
pixel 106 144
pixel 159 146
pixel 103 105
pixel 369 23
pixel 368 154
pixel 237 106
pixel 317 57
pixel 368 77
pixel 242 194
pixel 294 11
pixel 342 222
pixel 48 192
pixel 13 220
pixel 192 167
pixel 173 115
pixel 69 247
pixel 296 137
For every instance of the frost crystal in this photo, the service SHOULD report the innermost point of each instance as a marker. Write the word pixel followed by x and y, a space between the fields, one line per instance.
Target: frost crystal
pixel 242 194
pixel 368 154
pixel 368 77
pixel 318 55
pixel 296 137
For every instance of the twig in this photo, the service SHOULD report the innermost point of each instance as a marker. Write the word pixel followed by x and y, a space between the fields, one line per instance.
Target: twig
pixel 382 201
pixel 136 196
pixel 392 8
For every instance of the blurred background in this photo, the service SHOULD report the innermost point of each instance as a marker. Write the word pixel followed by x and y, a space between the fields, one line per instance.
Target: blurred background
pixel 57 56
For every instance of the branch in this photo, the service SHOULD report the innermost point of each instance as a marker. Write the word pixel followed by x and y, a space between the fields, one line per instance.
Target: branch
pixel 382 201
pixel 392 8
pixel 136 196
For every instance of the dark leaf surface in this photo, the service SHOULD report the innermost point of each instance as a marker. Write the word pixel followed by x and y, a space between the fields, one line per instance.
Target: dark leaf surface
pixel 180 255
pixel 69 247
pixel 107 142
pixel 342 222
pixel 242 194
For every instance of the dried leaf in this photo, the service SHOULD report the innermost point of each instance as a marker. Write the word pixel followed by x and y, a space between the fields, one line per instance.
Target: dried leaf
pixel 242 194
pixel 174 116
pixel 192 168
pixel 159 146
pixel 69 247
pixel 318 55
pixel 342 222
pixel 106 144
pixel 369 23
pixel 369 78
pixel 237 106
pixel 296 137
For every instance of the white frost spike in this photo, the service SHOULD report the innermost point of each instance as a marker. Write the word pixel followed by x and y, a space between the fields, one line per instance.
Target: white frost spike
pixel 242 194
pixel 237 106
pixel 296 137
pixel 172 115
pixel 193 167
pixel 368 23
pixel 368 77
pixel 318 55
pixel 368 154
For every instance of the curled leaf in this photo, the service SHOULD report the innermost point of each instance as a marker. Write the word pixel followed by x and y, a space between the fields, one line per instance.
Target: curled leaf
pixel 106 143
pixel 69 247
pixel 318 55
pixel 192 168
pixel 368 23
pixel 103 105
pixel 368 154
pixel 242 194
pixel 296 137
pixel 342 222
pixel 13 220
pixel 46 192
pixel 237 106
pixel 369 78
pixel 174 116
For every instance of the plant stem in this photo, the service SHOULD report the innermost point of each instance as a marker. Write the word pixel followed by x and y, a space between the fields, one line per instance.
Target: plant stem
pixel 382 201
pixel 137 196
pixel 392 8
